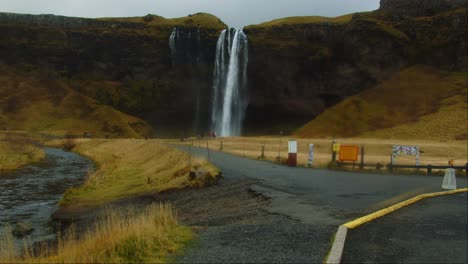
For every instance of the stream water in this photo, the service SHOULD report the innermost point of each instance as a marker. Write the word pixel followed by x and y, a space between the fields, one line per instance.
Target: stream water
pixel 31 194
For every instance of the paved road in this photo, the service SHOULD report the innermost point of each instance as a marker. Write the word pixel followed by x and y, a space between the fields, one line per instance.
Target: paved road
pixel 295 190
pixel 315 202
pixel 431 231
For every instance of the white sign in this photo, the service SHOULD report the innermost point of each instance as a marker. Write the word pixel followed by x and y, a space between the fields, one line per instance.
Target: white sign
pixel 405 150
pixel 311 155
pixel 292 146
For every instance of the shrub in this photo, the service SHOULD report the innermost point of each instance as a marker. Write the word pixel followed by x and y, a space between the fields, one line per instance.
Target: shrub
pixel 69 144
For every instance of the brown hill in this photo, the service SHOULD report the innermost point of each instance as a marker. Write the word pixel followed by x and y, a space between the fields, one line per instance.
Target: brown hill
pixel 418 102
pixel 43 103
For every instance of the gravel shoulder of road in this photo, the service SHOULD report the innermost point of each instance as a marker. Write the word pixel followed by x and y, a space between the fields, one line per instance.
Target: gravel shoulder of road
pixel 234 226
pixel 431 231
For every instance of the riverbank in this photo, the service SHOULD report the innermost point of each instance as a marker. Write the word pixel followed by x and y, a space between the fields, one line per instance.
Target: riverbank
pixel 132 167
pixel 17 150
pixel 109 204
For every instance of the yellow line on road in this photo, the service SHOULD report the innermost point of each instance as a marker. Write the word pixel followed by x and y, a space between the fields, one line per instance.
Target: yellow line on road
pixel 360 221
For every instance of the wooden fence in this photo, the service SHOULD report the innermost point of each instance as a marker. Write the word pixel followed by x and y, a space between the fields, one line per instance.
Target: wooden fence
pixel 391 167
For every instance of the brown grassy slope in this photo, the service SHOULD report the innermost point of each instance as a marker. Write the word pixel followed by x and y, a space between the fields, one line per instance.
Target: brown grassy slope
pixel 44 104
pixel 16 150
pixel 129 167
pixel 418 102
pixel 204 20
pixel 305 20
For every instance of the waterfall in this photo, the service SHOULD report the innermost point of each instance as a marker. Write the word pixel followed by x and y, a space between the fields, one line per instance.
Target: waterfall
pixel 230 83
pixel 172 45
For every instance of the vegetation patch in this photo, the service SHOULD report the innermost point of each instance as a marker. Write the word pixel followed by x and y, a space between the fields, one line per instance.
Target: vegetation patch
pixel 130 167
pixel 122 236
pixel 418 102
pixel 38 102
pixel 16 150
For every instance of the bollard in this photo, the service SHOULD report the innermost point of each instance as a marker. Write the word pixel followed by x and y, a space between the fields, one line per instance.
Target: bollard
pixel 263 152
pixel 429 169
pixel 466 169
pixel 221 145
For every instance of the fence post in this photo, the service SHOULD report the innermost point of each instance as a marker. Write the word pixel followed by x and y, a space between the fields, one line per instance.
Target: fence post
pixel 333 150
pixel 429 169
pixel 361 166
pixel 379 166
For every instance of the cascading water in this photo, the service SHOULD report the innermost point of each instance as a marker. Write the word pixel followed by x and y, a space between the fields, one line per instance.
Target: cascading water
pixel 172 45
pixel 230 83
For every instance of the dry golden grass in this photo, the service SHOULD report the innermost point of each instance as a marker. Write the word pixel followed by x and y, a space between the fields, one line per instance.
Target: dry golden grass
pixel 376 150
pixel 128 167
pixel 204 20
pixel 305 20
pixel 125 236
pixel 36 102
pixel 16 150
pixel 418 102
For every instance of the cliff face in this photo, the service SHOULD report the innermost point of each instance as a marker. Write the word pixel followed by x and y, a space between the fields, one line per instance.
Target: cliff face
pixel 300 66
pixel 402 8
pixel 125 63
pixel 297 68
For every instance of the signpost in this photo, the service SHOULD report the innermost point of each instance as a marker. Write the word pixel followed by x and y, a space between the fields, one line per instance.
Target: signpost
pixel 349 153
pixel 405 150
pixel 292 153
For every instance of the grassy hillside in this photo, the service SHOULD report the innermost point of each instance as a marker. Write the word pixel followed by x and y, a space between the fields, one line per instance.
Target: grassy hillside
pixel 41 103
pixel 305 20
pixel 204 20
pixel 418 102
pixel 129 167
pixel 16 150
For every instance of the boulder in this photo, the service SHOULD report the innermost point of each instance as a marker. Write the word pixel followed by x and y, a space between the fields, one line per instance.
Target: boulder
pixel 198 174
pixel 22 229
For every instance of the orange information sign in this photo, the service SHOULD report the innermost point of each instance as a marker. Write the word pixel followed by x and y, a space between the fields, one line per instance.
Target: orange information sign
pixel 349 153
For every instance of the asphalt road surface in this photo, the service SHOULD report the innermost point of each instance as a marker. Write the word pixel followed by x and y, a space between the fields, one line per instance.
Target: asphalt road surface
pixel 310 203
pixel 431 231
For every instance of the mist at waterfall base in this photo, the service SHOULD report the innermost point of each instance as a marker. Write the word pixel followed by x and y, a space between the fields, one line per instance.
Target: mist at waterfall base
pixel 229 96
pixel 229 101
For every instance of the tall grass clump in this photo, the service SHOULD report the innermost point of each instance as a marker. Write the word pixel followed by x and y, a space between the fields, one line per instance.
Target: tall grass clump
pixel 119 236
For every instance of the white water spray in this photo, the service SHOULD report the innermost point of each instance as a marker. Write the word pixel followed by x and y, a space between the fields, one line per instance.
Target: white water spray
pixel 172 45
pixel 230 83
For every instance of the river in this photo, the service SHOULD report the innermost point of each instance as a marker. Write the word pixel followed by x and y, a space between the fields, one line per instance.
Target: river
pixel 31 194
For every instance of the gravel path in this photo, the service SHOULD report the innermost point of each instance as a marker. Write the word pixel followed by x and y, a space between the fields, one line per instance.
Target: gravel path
pixel 431 231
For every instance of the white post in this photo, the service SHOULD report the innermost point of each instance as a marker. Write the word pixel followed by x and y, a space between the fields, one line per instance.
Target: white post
pixel 311 155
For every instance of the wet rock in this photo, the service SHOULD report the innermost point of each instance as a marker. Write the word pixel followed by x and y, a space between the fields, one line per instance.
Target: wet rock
pixel 22 229
pixel 198 174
